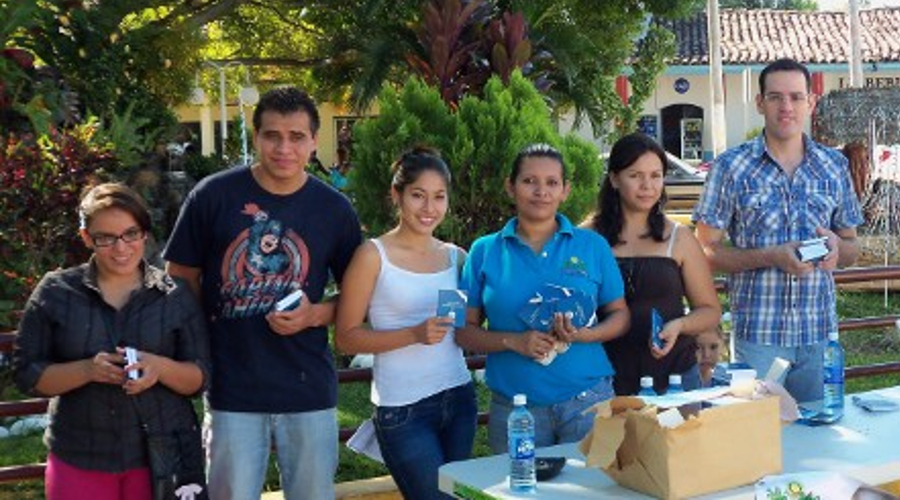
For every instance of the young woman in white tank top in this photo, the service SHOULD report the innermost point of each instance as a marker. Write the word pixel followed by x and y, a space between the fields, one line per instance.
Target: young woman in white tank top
pixel 426 411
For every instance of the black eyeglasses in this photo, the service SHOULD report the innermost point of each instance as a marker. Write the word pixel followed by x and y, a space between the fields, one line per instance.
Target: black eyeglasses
pixel 102 240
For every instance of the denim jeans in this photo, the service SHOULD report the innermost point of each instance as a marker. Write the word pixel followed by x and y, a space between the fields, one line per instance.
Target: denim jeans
pixel 418 438
pixel 804 378
pixel 553 424
pixel 238 446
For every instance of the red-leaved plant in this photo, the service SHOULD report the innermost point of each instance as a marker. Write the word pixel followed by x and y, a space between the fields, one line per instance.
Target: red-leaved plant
pixel 41 179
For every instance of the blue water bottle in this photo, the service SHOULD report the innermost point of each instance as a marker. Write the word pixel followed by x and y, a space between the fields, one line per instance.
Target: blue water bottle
pixel 675 384
pixel 647 387
pixel 520 434
pixel 834 376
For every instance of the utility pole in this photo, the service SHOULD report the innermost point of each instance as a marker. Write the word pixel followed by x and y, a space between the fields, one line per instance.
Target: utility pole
pixel 717 120
pixel 856 72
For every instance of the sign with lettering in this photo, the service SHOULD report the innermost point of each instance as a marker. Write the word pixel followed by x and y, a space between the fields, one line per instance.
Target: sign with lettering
pixel 648 125
pixel 873 82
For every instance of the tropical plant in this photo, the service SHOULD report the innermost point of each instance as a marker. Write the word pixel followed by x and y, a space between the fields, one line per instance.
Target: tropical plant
pixel 647 64
pixel 117 57
pixel 571 49
pixel 479 140
pixel 509 46
pixel 41 178
pixel 128 136
pixel 444 58
pixel 152 52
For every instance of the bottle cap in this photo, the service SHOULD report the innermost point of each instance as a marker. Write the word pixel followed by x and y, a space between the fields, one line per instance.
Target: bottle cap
pixel 674 379
pixel 646 381
pixel 519 400
pixel 833 335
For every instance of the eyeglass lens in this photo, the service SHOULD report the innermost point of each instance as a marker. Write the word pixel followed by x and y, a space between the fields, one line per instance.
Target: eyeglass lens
pixel 108 240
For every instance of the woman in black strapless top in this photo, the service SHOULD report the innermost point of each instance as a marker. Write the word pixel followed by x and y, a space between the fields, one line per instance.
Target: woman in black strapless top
pixel 662 265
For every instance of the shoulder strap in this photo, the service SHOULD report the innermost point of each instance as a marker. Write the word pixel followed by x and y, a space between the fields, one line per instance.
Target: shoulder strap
pixel 454 255
pixel 380 247
pixel 138 410
pixel 672 239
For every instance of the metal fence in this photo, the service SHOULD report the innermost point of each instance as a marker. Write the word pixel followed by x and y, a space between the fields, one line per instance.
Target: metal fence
pixel 38 406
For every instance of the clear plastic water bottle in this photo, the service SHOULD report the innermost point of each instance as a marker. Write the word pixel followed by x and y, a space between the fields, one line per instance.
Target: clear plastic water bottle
pixel 834 375
pixel 675 384
pixel 520 434
pixel 647 387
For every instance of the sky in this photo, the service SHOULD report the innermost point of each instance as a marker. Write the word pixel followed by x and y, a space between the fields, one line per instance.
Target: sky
pixel 842 4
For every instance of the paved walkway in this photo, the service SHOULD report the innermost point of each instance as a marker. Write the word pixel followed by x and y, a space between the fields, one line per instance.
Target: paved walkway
pixel 376 488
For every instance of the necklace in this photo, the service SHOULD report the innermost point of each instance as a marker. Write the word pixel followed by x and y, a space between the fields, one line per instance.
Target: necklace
pixel 631 270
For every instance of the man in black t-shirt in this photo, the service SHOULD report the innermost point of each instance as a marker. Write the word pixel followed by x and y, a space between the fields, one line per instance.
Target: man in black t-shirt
pixel 245 238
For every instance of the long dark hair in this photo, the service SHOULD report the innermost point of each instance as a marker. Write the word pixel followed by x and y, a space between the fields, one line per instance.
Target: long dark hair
pixel 608 220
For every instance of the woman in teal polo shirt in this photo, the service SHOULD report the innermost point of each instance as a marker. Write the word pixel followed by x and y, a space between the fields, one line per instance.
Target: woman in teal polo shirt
pixel 562 368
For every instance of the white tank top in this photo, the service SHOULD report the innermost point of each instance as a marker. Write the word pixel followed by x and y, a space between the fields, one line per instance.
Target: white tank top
pixel 404 298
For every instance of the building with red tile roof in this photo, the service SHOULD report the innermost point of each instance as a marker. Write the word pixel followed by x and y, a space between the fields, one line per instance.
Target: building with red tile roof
pixel 750 39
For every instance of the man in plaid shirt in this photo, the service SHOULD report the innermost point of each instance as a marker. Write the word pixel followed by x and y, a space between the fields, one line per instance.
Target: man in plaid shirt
pixel 768 195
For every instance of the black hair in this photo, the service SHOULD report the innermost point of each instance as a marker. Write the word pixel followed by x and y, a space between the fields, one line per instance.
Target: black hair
pixel 286 100
pixel 411 164
pixel 784 64
pixel 538 150
pixel 608 220
pixel 113 195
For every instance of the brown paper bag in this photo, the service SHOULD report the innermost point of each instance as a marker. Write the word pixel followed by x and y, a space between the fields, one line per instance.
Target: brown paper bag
pixel 722 447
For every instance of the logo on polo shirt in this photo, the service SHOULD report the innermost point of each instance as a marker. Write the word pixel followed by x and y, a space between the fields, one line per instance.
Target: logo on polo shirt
pixel 574 265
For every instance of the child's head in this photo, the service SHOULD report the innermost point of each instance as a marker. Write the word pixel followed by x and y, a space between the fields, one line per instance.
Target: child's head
pixel 709 348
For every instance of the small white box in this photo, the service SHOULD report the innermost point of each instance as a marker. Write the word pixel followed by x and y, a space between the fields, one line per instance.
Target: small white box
pixel 289 302
pixel 812 250
pixel 131 357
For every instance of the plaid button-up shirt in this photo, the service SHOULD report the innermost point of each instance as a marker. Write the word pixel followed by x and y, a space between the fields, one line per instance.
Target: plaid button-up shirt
pixel 96 426
pixel 759 205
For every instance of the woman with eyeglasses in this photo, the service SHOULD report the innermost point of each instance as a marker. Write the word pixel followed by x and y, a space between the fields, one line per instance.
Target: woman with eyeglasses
pixel 547 352
pixel 70 346
pixel 662 266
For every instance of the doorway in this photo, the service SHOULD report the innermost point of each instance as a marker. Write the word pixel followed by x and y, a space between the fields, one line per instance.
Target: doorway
pixel 672 117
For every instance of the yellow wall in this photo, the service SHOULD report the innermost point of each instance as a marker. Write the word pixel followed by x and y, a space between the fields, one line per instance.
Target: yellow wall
pixel 208 117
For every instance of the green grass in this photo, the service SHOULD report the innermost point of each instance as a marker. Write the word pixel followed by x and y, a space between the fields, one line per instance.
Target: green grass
pixel 870 346
pixel 862 347
pixel 22 450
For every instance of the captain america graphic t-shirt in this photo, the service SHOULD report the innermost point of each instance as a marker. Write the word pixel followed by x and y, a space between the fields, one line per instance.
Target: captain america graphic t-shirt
pixel 253 248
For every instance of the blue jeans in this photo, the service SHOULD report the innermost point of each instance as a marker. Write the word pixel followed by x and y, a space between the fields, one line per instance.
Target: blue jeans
pixel 239 443
pixel 806 374
pixel 418 438
pixel 553 424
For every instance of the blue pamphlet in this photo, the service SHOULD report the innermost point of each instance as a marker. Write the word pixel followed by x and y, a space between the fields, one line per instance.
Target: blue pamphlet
pixel 656 326
pixel 453 303
pixel 538 312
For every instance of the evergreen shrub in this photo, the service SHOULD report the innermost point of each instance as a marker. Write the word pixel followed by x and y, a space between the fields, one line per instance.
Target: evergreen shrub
pixel 479 141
